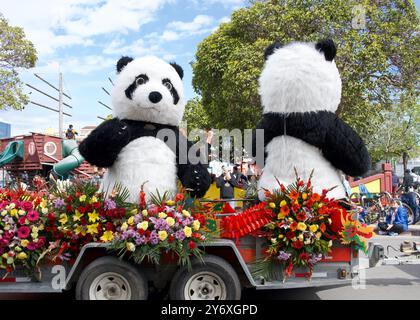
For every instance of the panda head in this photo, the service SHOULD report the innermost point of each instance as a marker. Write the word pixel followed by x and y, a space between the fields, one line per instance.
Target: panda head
pixel 300 77
pixel 148 89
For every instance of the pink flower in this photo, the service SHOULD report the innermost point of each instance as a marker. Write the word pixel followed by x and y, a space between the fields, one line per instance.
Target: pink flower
pixel 41 242
pixel 26 205
pixel 32 246
pixel 24 232
pixel 32 216
pixel 22 220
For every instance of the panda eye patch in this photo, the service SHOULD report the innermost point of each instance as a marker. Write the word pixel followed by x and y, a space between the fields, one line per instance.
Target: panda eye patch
pixel 141 79
pixel 168 85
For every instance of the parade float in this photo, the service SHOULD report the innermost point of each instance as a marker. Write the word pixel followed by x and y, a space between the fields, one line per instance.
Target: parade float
pixel 112 249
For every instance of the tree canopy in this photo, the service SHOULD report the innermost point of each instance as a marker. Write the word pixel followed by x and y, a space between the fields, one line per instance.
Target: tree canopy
pixel 15 52
pixel 377 55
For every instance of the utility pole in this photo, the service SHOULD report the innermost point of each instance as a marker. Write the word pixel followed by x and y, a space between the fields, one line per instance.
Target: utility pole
pixel 60 106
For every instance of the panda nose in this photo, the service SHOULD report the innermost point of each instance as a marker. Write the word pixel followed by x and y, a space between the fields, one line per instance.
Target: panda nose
pixel 155 97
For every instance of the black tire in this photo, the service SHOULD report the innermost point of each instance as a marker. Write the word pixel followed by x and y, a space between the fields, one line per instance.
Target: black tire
pixel 123 280
pixel 224 276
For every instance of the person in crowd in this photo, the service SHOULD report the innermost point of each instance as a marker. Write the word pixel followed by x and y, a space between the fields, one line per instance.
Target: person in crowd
pixel 408 180
pixel 71 133
pixel 410 198
pixel 416 177
pixel 396 220
pixel 226 183
pixel 395 182
pixel 240 179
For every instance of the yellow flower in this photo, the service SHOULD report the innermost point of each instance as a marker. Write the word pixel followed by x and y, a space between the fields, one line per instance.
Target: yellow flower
pixel 196 225
pixel 13 213
pixel 22 212
pixel 18 249
pixel 313 228
pixel 77 215
pixel 93 216
pixel 170 221
pixel 280 216
pixel 92 228
pixel 41 227
pixel 330 243
pixel 24 243
pixel 82 198
pixel 185 213
pixel 162 215
pixel 134 211
pixel 170 203
pixel 300 237
pixel 3 213
pixel 304 196
pixel 144 213
pixel 130 221
pixel 35 229
pixel 272 205
pixel 130 246
pixel 187 231
pixel 301 226
pixel 22 256
pixel 124 226
pixel 162 235
pixel 93 199
pixel 143 225
pixel 43 203
pixel 78 229
pixel 283 203
pixel 107 236
pixel 63 218
pixel 318 235
pixel 4 255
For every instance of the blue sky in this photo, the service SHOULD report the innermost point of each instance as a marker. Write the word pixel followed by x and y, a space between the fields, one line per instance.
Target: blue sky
pixel 85 38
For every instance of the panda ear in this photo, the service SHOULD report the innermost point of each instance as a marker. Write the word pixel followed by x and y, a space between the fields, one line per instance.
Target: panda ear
pixel 178 69
pixel 123 62
pixel 271 48
pixel 327 47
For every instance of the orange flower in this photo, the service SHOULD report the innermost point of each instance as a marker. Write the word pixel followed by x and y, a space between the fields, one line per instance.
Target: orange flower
pixel 293 226
pixel 322 227
pixel 316 197
pixel 294 195
pixel 285 210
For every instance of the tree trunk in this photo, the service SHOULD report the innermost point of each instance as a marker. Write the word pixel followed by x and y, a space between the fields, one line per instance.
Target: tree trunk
pixel 405 160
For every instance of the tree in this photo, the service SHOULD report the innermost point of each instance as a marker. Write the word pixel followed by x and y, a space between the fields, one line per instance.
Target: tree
pixel 195 116
pixel 15 52
pixel 378 57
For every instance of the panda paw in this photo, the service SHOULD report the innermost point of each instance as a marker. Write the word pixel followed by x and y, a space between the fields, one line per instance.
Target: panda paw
pixel 197 181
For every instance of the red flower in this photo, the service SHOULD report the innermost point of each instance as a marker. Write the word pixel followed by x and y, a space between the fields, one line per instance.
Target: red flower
pixel 285 210
pixel 179 197
pixel 192 245
pixel 171 238
pixel 170 214
pixel 290 235
pixel 140 231
pixel 296 207
pixel 69 199
pixel 78 194
pixel 297 245
pixel 304 256
pixel 293 226
pixel 82 209
pixel 294 195
pixel 51 217
pixel 22 220
pixel 316 197
pixel 322 227
pixel 300 183
pixel 69 208
pixel 282 188
pixel 301 216
pixel 109 226
pixel 96 205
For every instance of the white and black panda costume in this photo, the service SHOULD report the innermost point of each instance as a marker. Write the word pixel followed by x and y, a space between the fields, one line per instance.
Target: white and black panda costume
pixel 300 89
pixel 147 98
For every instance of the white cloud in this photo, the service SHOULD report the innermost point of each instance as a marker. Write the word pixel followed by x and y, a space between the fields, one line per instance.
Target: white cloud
pixel 86 64
pixel 60 23
pixel 176 30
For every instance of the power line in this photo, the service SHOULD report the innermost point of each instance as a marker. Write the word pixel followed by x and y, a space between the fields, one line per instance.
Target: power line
pixel 52 86
pixel 46 94
pixel 49 108
pixel 110 80
pixel 105 105
pixel 101 118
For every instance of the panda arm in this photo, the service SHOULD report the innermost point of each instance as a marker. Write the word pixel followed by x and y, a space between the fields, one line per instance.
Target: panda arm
pixel 345 149
pixel 194 176
pixel 103 144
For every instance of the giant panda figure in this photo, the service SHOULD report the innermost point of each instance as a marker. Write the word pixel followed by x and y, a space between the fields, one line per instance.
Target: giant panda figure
pixel 300 89
pixel 136 145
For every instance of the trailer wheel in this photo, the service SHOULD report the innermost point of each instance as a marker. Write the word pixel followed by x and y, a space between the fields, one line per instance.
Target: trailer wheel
pixel 109 278
pixel 213 280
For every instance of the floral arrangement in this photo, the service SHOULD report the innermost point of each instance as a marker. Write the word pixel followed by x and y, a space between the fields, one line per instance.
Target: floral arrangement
pixel 303 229
pixel 163 226
pixel 79 214
pixel 21 229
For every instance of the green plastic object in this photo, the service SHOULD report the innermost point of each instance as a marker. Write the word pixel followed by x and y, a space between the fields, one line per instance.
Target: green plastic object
pixel 71 159
pixel 14 149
